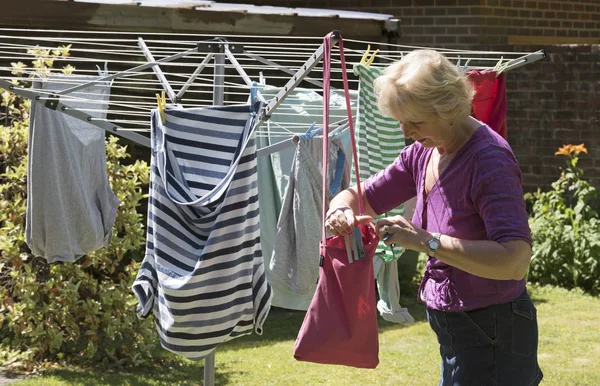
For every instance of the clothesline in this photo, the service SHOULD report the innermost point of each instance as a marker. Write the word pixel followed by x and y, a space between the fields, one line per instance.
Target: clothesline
pixel 74 98
pixel 296 57
pixel 32 71
pixel 130 85
pixel 255 58
pixel 46 95
pixel 145 108
pixel 273 40
pixel 297 52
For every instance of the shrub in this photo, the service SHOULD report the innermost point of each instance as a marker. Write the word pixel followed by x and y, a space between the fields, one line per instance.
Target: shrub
pixel 566 229
pixel 82 312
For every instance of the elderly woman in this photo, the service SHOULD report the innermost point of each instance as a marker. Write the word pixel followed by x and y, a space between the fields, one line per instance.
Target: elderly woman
pixel 470 219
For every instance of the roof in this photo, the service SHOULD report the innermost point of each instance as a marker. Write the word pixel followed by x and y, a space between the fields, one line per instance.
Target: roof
pixel 193 17
pixel 207 5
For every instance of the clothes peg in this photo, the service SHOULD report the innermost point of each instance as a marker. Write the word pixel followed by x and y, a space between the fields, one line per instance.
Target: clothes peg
pixel 102 73
pixel 502 68
pixel 370 61
pixel 466 66
pixel 310 133
pixel 458 62
pixel 498 64
pixel 363 60
pixel 161 102
pixel 348 249
pixel 359 249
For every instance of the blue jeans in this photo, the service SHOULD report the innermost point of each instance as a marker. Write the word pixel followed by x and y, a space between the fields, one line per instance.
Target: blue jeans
pixel 495 345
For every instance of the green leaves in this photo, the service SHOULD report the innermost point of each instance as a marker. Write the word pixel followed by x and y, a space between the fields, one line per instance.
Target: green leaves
pixel 566 231
pixel 81 312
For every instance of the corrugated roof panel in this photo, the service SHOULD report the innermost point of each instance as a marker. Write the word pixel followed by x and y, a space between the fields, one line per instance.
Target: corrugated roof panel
pixel 121 2
pixel 175 4
pixel 208 5
pixel 342 14
pixel 249 8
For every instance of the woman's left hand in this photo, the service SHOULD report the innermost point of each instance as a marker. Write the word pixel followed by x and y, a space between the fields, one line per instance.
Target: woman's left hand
pixel 402 233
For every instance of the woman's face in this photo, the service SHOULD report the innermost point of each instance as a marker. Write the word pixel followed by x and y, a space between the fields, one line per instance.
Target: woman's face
pixel 429 131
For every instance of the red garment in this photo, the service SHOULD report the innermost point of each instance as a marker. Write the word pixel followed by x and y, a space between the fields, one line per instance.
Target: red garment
pixel 340 326
pixel 489 103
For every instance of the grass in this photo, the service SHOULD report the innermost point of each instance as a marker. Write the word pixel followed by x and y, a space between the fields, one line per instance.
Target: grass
pixel 569 353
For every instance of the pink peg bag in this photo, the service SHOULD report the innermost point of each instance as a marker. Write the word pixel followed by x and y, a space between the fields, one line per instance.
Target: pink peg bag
pixel 340 326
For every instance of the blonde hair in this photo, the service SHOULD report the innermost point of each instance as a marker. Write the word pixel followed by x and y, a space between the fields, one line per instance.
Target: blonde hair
pixel 422 83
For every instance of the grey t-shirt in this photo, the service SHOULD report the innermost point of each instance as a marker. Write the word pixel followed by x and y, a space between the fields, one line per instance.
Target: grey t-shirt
pixel 71 207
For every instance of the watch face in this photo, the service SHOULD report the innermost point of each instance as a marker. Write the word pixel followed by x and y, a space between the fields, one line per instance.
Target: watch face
pixel 434 244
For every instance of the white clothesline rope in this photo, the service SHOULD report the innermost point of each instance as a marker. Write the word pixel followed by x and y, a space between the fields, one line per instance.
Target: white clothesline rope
pixel 294 52
pixel 133 93
pixel 279 40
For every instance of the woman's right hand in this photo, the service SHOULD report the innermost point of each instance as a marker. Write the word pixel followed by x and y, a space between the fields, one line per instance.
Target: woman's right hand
pixel 340 221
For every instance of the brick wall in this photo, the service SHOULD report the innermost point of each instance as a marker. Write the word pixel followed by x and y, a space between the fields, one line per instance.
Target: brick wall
pixel 551 103
pixel 472 22
pixel 541 21
pixel 462 23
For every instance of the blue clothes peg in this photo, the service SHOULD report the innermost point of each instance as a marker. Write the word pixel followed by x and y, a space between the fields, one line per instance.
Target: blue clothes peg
pixel 310 133
pixel 466 66
pixel 102 73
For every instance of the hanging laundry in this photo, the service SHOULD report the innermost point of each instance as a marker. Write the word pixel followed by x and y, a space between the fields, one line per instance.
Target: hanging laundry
pixel 295 260
pixel 297 112
pixel 388 286
pixel 71 208
pixel 489 103
pixel 203 275
pixel 380 139
pixel 300 109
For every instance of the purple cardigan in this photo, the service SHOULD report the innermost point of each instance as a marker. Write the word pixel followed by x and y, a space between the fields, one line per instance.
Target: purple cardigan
pixel 479 196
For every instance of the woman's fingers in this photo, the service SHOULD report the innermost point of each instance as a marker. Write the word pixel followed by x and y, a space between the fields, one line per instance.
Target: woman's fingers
pixel 342 220
pixel 382 226
pixel 363 220
pixel 388 231
pixel 337 222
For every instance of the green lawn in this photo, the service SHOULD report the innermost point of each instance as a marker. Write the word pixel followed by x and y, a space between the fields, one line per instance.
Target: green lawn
pixel 569 353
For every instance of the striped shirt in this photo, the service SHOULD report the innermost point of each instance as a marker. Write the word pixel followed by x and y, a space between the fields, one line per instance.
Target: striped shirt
pixel 379 139
pixel 203 276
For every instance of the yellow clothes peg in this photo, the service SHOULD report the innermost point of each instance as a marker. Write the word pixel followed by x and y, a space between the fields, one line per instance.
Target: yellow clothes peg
pixel 363 60
pixel 370 61
pixel 161 102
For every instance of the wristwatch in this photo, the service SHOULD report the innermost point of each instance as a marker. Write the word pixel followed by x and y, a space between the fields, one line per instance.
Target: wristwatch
pixel 434 244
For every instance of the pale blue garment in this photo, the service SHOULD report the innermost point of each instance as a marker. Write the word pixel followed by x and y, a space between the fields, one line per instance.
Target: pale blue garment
pixel 71 207
pixel 300 109
pixel 296 113
pixel 295 259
